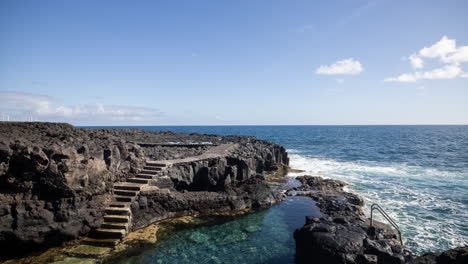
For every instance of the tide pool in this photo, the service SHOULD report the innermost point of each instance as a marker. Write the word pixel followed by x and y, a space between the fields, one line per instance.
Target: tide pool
pixel 261 237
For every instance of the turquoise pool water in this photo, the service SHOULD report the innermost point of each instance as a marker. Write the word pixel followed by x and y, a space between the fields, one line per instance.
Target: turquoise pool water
pixel 262 237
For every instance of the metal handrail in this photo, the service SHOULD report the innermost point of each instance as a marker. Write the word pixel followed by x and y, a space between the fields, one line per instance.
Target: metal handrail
pixel 389 219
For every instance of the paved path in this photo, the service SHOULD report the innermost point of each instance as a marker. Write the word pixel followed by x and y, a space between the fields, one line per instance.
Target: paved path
pixel 214 152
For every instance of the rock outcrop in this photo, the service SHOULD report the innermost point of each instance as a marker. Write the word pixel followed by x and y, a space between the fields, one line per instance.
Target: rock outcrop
pixel 453 256
pixel 156 204
pixel 55 179
pixel 343 235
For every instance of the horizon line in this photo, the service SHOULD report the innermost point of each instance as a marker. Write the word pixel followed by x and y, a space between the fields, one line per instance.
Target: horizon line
pixel 269 125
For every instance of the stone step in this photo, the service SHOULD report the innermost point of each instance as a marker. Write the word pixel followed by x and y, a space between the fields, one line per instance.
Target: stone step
pixel 152 168
pixel 120 205
pixel 124 199
pixel 117 211
pixel 128 186
pixel 145 176
pixel 152 164
pixel 108 233
pixel 110 225
pixel 152 172
pixel 138 180
pixel 111 242
pixel 126 193
pixel 116 218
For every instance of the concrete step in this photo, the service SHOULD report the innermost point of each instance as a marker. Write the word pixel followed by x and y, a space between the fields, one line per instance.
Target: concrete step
pixel 145 176
pixel 111 242
pixel 152 168
pixel 110 225
pixel 153 164
pixel 116 218
pixel 123 199
pixel 128 186
pixel 126 193
pixel 117 211
pixel 138 180
pixel 152 172
pixel 119 205
pixel 105 233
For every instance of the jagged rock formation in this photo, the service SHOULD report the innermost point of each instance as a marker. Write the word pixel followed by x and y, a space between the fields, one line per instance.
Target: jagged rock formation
pixel 343 234
pixel 453 256
pixel 57 180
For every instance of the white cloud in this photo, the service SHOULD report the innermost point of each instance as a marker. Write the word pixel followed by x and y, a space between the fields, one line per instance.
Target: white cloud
pixel 45 108
pixel 347 66
pixel 416 61
pixel 440 49
pixel 447 52
pixel 459 56
pixel 340 80
pixel 446 72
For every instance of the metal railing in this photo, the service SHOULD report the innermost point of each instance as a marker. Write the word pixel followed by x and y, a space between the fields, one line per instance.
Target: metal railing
pixel 389 219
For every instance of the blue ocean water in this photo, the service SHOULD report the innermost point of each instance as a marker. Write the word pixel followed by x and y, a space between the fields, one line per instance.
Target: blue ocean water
pixel 418 174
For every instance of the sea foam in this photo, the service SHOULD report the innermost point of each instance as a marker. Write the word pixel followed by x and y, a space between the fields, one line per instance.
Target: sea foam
pixel 427 203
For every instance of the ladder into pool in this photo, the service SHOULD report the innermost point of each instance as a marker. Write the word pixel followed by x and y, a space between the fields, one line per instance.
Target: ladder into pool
pixel 389 219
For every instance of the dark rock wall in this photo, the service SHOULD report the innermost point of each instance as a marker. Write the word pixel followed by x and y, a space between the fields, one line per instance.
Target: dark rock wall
pixel 154 205
pixel 217 173
pixel 56 179
pixel 232 182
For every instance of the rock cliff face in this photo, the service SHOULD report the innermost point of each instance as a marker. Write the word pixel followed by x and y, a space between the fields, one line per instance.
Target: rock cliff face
pixel 154 205
pixel 56 179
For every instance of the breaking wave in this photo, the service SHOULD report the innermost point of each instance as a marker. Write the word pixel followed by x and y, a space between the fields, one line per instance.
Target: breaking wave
pixel 427 203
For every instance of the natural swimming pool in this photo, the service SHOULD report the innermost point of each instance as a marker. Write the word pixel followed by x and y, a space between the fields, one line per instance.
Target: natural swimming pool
pixel 265 236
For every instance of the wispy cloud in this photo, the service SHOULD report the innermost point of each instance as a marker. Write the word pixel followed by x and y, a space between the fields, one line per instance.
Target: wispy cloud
pixel 347 66
pixel 46 108
pixel 446 72
pixel 305 28
pixel 447 52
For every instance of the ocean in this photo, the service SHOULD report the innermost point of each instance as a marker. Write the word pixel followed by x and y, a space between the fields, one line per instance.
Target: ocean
pixel 418 174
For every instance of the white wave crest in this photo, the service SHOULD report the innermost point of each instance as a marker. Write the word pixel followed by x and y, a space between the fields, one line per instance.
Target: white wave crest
pixel 430 205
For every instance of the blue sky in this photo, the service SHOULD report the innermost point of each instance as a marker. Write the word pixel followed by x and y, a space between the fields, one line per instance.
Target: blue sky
pixel 235 62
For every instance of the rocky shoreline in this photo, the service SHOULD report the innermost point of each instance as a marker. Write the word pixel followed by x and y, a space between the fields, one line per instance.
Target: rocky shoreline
pixel 56 180
pixel 344 235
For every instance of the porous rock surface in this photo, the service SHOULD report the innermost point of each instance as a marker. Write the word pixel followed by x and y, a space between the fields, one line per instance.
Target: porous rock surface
pixel 453 256
pixel 343 234
pixel 55 179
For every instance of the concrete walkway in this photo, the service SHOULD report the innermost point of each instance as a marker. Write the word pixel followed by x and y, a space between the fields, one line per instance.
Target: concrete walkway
pixel 214 152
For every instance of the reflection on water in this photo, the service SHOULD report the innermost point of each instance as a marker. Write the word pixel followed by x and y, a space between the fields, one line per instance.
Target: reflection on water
pixel 262 237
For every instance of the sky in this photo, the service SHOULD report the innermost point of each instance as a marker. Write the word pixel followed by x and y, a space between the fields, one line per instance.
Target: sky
pixel 351 62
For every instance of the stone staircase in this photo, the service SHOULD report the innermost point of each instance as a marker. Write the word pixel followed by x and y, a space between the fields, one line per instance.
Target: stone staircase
pixel 118 215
